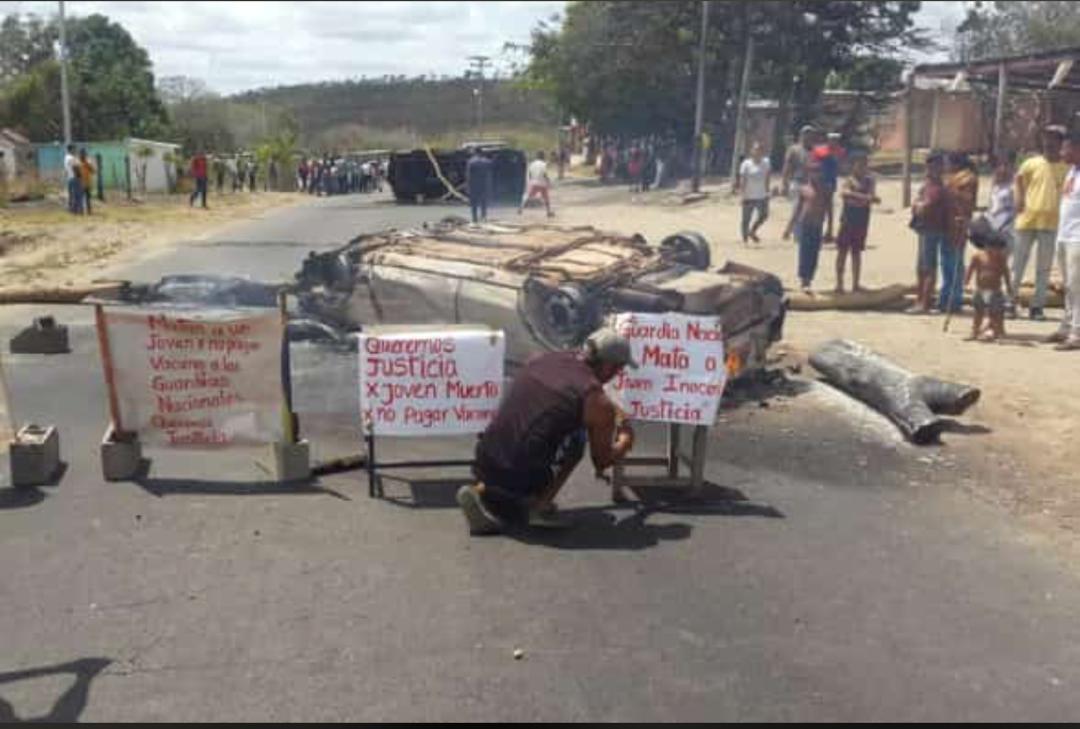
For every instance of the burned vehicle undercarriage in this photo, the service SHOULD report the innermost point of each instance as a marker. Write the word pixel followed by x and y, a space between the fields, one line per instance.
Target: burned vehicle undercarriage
pixel 546 286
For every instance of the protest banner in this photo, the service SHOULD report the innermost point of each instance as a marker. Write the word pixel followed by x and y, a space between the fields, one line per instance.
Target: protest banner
pixel 682 369
pixel 423 381
pixel 200 380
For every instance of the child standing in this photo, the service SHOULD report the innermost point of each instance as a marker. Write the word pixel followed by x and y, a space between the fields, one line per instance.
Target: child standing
pixel 858 194
pixel 810 214
pixel 990 268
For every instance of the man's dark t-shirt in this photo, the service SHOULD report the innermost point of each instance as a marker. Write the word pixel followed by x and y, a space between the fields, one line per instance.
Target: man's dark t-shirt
pixel 544 407
pixel 478 173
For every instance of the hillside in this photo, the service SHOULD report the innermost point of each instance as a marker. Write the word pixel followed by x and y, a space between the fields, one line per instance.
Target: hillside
pixel 395 113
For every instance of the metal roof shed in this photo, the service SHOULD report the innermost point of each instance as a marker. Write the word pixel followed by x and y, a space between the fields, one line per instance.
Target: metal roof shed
pixel 1048 71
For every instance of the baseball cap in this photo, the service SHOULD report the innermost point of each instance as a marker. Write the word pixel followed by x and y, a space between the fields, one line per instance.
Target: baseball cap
pixel 607 345
pixel 807 129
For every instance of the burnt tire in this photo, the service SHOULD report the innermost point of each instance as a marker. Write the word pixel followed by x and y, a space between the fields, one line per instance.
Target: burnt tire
pixel 688 248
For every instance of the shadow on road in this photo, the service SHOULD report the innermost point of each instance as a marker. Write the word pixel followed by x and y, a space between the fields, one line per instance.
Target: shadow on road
pixel 435 493
pixel 20 498
pixel 70 704
pixel 600 527
pixel 184 486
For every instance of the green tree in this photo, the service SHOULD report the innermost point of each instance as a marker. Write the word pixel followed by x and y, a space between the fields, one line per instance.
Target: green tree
pixel 630 67
pixel 110 76
pixel 1011 28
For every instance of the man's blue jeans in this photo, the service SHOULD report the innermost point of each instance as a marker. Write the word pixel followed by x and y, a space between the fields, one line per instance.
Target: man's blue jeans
pixel 951 297
pixel 75 194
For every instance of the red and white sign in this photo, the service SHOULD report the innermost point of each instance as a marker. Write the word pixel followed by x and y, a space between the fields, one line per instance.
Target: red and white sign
pixel 197 380
pixel 682 370
pixel 430 383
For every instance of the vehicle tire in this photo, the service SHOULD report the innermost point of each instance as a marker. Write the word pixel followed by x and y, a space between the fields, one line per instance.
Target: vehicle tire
pixel 688 248
pixel 559 317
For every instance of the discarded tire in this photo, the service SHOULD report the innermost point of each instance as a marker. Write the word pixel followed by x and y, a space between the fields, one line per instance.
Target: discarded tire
pixel 913 402
pixel 688 248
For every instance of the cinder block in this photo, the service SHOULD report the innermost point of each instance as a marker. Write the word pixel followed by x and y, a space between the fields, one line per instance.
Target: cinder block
pixel 287 461
pixel 44 336
pixel 35 456
pixel 121 455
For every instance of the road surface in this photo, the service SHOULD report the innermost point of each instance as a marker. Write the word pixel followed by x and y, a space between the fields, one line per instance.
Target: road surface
pixel 834 573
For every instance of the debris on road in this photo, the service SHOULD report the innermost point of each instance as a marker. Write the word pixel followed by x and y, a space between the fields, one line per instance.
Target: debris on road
pixel 913 402
pixel 44 336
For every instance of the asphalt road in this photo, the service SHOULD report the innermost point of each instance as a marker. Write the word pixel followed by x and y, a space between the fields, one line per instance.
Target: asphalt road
pixel 833 573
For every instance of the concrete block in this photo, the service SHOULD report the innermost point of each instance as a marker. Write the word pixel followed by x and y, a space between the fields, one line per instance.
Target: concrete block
pixel 287 461
pixel 35 456
pixel 121 455
pixel 44 336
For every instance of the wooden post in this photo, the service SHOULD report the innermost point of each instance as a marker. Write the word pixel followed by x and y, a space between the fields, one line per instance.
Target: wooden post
pixel 934 120
pixel 909 123
pixel 673 450
pixel 288 418
pixel 740 114
pixel 999 110
pixel 107 366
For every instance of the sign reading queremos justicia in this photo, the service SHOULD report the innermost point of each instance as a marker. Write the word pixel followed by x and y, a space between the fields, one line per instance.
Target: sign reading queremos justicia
pixel 426 382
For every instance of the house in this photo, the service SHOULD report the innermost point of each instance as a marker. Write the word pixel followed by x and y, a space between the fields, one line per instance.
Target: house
pixel 16 154
pixel 129 161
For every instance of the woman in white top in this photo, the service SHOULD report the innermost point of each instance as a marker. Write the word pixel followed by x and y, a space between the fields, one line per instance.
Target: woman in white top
pixel 753 180
pixel 538 184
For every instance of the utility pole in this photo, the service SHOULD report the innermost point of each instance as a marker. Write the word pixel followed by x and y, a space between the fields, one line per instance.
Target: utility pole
pixel 479 63
pixel 740 113
pixel 65 102
pixel 699 107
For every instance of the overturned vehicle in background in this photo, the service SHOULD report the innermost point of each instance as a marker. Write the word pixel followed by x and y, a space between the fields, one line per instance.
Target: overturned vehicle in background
pixel 414 178
pixel 548 287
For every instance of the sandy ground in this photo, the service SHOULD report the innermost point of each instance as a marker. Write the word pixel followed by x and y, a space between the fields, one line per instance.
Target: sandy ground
pixel 43 245
pixel 1021 431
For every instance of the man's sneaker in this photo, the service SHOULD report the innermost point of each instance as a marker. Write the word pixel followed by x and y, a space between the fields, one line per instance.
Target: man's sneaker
pixel 1037 315
pixel 549 518
pixel 481 521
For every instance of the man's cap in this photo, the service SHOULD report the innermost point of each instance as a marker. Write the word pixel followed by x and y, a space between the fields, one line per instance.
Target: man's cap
pixel 608 346
pixel 1056 129
pixel 833 135
pixel 808 129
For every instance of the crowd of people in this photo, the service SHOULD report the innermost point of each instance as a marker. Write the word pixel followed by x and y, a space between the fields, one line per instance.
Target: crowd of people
pixel 644 162
pixel 333 175
pixel 1032 208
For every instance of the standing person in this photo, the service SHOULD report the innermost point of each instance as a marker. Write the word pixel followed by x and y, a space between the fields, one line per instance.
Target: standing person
pixel 72 176
pixel 990 269
pixel 1068 247
pixel 793 175
pixel 198 171
pixel 810 212
pixel 635 162
pixel 930 219
pixel 272 178
pixel 753 179
pixel 539 184
pixel 230 165
pixel 962 191
pixel 253 171
pixel 219 173
pixel 537 437
pixel 478 180
pixel 241 174
pixel 858 194
pixel 86 179
pixel 1039 183
pixel 830 155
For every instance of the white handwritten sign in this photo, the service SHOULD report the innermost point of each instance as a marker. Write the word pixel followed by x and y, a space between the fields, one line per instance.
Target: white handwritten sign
pixel 430 382
pixel 197 379
pixel 682 370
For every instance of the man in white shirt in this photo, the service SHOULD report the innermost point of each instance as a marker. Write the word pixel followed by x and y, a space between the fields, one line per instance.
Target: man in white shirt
pixel 1068 247
pixel 538 184
pixel 753 179
pixel 74 183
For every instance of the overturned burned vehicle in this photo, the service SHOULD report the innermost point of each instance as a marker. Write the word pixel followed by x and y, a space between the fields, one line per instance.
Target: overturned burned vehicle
pixel 414 178
pixel 547 286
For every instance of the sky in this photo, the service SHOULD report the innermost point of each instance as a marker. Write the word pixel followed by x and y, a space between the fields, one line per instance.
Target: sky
pixel 234 46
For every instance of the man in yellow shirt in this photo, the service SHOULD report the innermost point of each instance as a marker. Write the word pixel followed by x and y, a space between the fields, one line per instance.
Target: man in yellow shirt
pixel 1038 198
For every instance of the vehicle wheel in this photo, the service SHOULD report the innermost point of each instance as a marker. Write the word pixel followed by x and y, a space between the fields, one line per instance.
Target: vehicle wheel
pixel 688 248
pixel 560 317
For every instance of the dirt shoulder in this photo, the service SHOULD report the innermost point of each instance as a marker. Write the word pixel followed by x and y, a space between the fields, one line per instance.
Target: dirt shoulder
pixel 43 245
pixel 1017 437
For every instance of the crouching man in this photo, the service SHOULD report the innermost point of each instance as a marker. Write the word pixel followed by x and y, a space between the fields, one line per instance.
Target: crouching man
pixel 537 437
